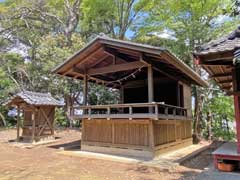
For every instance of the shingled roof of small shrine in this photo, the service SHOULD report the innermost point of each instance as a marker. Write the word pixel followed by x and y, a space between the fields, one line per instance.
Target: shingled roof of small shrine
pixel 36 98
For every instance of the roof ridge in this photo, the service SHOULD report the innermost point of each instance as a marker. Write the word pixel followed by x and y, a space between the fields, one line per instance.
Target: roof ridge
pixel 36 93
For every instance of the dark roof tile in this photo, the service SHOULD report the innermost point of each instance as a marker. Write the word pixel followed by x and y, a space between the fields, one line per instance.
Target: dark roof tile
pixel 35 98
pixel 227 43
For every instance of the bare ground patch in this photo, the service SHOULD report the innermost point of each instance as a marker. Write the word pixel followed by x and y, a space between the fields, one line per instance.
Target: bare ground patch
pixel 42 162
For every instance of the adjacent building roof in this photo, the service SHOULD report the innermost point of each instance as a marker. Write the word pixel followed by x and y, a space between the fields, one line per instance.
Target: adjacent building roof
pixel 230 42
pixel 33 98
pixel 99 51
pixel 217 58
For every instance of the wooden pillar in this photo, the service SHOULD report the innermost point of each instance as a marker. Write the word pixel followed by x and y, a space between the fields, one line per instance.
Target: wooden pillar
pixel 150 87
pixel 121 92
pixel 85 90
pixel 33 126
pixel 83 131
pixel 237 118
pixel 151 135
pixel 18 123
pixel 236 107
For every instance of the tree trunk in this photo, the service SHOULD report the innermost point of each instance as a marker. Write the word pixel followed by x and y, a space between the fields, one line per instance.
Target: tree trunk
pixel 3 121
pixel 68 109
pixel 197 112
pixel 209 126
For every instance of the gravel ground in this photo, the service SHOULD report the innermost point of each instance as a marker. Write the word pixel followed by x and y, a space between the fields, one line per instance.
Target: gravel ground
pixel 42 162
pixel 212 174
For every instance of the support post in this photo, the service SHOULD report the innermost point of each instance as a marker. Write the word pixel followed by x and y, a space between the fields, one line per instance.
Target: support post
pixel 121 97
pixel 150 87
pixel 18 123
pixel 121 92
pixel 237 117
pixel 151 135
pixel 83 131
pixel 237 107
pixel 33 126
pixel 85 90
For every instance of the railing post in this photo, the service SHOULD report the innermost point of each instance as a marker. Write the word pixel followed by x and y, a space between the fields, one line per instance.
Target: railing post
pixel 166 111
pixel 156 111
pixel 130 112
pixel 108 112
pixel 89 113
pixel 174 111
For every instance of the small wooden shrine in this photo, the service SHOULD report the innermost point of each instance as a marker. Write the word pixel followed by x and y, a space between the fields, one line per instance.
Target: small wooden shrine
pixel 221 59
pixel 154 111
pixel 38 111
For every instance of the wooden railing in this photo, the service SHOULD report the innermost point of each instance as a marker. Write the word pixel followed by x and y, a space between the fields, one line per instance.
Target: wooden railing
pixel 138 110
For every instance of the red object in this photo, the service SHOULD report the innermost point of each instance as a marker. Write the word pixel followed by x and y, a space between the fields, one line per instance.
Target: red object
pixel 197 60
pixel 237 117
pixel 217 157
pixel 225 167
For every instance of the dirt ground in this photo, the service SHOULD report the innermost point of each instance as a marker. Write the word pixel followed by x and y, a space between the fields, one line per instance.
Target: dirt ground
pixel 44 163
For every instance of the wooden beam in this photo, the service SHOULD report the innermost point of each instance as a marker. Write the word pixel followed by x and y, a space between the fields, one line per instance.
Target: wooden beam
pixel 230 65
pixel 75 69
pixel 230 93
pixel 225 81
pixel 226 87
pixel 221 75
pixel 219 56
pixel 116 68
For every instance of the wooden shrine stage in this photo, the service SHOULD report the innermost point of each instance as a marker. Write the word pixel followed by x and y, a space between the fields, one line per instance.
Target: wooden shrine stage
pixel 228 151
pixel 144 138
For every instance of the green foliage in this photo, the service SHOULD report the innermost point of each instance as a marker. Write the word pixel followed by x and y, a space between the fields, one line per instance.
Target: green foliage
pixel 101 95
pixel 190 22
pixel 10 121
pixel 221 110
pixel 113 18
pixel 52 50
pixel 60 118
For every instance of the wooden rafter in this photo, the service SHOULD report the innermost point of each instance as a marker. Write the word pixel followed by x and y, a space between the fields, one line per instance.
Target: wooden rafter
pixel 225 81
pixel 99 60
pixel 220 75
pixel 84 60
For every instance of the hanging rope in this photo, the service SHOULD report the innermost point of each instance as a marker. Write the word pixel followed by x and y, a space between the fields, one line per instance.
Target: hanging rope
pixel 132 75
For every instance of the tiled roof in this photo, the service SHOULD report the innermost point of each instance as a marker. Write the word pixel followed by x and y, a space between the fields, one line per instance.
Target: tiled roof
pixel 227 43
pixel 35 98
